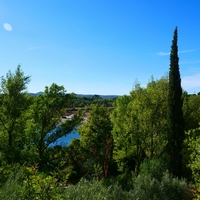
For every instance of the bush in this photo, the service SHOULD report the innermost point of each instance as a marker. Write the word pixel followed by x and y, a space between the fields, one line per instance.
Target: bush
pixel 10 190
pixel 30 184
pixel 168 188
pixel 94 190
pixel 154 168
pixel 27 183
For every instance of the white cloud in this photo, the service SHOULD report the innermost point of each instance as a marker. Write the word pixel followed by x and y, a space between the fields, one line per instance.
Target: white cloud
pixel 161 53
pixel 186 51
pixel 191 83
pixel 7 27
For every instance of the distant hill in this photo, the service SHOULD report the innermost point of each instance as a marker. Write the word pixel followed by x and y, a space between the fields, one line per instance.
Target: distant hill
pixel 83 95
pixel 102 96
pixel 35 94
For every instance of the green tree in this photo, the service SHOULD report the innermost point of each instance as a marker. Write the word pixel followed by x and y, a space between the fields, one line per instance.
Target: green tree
pixel 74 159
pixel 44 125
pixel 14 102
pixel 96 137
pixel 175 113
pixel 192 141
pixel 128 152
pixel 139 125
pixel 191 111
pixel 151 106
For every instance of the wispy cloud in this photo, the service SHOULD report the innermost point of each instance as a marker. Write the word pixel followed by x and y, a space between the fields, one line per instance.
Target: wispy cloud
pixel 186 51
pixel 35 48
pixel 161 53
pixel 190 62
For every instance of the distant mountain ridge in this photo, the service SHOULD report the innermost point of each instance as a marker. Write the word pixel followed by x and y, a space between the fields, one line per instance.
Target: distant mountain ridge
pixel 102 96
pixel 82 95
pixel 35 94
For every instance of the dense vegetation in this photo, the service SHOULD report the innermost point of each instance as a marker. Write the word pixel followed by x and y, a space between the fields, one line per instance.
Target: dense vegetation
pixel 140 146
pixel 86 101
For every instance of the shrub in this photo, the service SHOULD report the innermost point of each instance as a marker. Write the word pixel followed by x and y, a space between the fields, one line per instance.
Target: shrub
pixel 95 190
pixel 28 183
pixel 148 188
pixel 154 168
pixel 10 190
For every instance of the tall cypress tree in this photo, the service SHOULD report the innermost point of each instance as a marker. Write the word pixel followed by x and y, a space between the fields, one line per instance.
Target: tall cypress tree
pixel 175 114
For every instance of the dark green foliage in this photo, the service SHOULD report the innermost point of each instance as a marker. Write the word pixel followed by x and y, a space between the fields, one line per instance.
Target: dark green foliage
pixel 72 160
pixel 175 114
pixel 96 138
pixel 14 103
pixel 154 168
pixel 88 101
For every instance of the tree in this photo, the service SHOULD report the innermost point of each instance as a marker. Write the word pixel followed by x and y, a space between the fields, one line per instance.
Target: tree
pixel 192 141
pixel 191 111
pixel 139 125
pixel 14 103
pixel 175 113
pixel 96 138
pixel 74 159
pixel 128 152
pixel 44 125
pixel 96 97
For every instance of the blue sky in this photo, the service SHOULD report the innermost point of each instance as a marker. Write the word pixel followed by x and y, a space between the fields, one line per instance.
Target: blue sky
pixel 99 46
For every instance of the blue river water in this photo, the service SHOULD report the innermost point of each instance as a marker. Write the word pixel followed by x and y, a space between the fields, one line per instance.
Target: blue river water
pixel 65 140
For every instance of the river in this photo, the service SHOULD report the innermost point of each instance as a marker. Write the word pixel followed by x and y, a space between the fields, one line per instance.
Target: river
pixel 65 140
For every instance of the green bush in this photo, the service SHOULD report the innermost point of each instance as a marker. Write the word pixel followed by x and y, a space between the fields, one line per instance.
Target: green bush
pixel 154 168
pixel 168 188
pixel 10 190
pixel 6 170
pixel 94 190
pixel 28 184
